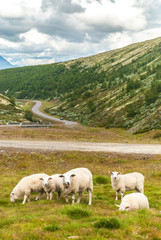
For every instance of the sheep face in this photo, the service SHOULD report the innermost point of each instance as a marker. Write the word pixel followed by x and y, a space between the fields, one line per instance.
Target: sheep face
pixel 45 180
pixel 115 175
pixel 13 197
pixel 123 207
pixel 67 179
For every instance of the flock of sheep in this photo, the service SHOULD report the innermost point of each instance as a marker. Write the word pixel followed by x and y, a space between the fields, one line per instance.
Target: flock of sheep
pixel 79 180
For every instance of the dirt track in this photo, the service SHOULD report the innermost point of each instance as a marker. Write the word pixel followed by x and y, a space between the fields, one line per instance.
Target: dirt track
pixel 81 146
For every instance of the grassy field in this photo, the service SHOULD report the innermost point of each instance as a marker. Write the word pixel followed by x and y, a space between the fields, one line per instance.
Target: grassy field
pixel 54 219
pixel 80 133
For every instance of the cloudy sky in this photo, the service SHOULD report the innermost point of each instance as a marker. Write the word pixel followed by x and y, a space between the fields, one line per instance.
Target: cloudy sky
pixel 46 31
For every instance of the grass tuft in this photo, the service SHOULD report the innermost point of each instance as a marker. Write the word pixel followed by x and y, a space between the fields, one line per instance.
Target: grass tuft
pixel 77 212
pixel 51 228
pixel 101 180
pixel 110 223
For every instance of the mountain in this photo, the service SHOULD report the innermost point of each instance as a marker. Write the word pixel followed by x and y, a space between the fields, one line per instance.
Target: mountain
pixel 118 88
pixel 4 63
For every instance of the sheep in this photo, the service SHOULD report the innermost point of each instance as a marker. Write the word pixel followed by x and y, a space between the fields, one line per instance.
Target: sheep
pixel 52 184
pixel 127 182
pixel 76 181
pixel 133 201
pixel 27 185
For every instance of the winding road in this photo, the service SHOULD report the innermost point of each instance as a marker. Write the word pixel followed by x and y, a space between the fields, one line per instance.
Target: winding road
pixel 35 110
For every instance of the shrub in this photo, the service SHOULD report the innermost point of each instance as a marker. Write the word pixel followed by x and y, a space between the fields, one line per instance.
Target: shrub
pixel 51 228
pixel 110 223
pixel 101 180
pixel 157 135
pixel 77 212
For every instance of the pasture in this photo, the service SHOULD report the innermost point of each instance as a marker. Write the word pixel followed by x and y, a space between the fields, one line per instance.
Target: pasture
pixel 55 219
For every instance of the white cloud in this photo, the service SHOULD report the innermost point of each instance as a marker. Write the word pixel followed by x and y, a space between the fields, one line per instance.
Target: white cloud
pixel 40 31
pixel 108 16
pixel 34 37
pixel 32 61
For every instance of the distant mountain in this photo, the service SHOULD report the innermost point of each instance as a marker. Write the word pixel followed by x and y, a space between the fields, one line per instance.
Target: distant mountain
pixel 5 64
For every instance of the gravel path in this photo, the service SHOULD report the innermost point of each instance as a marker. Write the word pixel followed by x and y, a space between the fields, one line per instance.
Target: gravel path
pixel 81 146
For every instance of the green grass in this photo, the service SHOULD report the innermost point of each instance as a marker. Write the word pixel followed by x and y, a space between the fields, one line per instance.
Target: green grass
pixel 76 212
pixel 110 223
pixel 45 219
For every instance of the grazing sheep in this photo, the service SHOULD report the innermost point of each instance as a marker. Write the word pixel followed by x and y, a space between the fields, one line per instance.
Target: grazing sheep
pixel 133 201
pixel 27 185
pixel 76 181
pixel 127 182
pixel 52 184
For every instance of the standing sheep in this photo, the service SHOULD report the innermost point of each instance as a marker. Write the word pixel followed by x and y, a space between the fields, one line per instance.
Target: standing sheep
pixel 77 181
pixel 52 184
pixel 27 185
pixel 127 182
pixel 133 201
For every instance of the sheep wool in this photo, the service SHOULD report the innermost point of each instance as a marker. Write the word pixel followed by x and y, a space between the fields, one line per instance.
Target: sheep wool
pixel 127 182
pixel 134 201
pixel 52 184
pixel 78 180
pixel 27 185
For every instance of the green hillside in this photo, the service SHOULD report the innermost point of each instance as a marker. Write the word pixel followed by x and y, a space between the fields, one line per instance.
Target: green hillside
pixel 9 112
pixel 119 88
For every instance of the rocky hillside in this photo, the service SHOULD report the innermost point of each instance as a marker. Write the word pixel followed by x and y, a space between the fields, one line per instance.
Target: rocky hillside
pixel 119 88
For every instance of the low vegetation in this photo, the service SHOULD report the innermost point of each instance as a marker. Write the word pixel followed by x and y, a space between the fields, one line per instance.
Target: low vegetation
pixel 55 219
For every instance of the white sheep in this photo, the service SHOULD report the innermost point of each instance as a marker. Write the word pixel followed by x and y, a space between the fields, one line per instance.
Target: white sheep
pixel 133 201
pixel 27 185
pixel 76 181
pixel 52 184
pixel 127 182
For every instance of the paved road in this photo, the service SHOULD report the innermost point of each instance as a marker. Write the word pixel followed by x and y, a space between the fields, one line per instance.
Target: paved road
pixel 81 146
pixel 35 109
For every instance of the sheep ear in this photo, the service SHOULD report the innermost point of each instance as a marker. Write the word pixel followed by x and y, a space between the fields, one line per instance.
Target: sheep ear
pixel 110 173
pixel 117 205
pixel 61 175
pixel 120 173
pixel 41 178
pixel 73 175
pixel 50 178
pixel 127 207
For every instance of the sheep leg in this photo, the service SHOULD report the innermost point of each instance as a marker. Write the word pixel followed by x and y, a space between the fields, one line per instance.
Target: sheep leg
pixel 73 198
pixel 90 197
pixel 25 198
pixel 66 198
pixel 117 194
pixel 122 194
pixel 79 197
pixel 47 195
pixel 40 194
pixel 51 195
pixel 59 194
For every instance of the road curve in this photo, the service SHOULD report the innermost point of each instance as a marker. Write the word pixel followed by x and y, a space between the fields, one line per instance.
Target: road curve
pixel 81 146
pixel 35 110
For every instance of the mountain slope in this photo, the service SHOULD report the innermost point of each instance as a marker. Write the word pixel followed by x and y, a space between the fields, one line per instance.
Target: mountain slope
pixel 119 88
pixel 4 63
pixel 9 112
